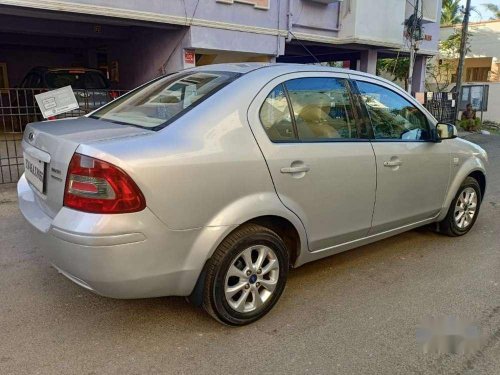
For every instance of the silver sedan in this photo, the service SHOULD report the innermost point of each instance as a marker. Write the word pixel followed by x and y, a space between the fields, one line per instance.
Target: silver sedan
pixel 212 182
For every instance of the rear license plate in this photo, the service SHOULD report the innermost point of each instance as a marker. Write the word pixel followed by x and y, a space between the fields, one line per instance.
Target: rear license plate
pixel 35 172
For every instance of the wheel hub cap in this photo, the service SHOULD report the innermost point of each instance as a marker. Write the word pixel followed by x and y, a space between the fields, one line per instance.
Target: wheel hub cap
pixel 251 279
pixel 465 208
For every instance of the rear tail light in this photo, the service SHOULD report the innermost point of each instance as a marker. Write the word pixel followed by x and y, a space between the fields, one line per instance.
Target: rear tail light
pixel 96 186
pixel 113 94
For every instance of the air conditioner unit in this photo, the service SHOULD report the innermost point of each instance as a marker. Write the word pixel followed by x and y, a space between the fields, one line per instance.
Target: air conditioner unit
pixel 326 1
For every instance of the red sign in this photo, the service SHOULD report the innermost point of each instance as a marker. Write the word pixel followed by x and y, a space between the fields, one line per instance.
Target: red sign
pixel 189 57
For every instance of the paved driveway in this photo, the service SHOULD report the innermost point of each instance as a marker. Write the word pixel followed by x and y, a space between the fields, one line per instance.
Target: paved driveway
pixel 353 313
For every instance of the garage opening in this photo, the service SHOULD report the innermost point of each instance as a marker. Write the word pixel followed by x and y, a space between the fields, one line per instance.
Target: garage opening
pixel 101 58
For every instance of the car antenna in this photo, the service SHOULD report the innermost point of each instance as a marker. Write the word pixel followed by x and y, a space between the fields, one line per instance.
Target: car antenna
pixel 303 46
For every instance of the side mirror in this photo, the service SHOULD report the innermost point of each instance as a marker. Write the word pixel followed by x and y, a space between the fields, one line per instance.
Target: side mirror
pixel 446 131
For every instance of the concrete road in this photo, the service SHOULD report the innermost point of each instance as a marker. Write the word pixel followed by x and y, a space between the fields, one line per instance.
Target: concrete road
pixel 353 313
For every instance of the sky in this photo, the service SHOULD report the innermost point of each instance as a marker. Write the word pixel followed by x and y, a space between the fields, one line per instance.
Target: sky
pixel 485 14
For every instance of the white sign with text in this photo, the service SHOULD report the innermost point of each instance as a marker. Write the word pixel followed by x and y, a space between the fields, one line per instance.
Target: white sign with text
pixel 55 102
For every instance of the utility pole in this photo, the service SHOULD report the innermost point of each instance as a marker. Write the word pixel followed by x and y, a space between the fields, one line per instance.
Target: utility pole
pixel 413 45
pixel 463 52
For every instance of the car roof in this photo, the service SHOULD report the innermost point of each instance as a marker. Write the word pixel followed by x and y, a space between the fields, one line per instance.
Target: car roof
pixel 284 68
pixel 247 67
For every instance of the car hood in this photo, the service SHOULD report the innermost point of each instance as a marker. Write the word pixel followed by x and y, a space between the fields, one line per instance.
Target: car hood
pixel 472 149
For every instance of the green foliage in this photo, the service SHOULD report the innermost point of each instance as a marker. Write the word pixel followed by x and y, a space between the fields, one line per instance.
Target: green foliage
pixel 493 8
pixel 397 68
pixel 451 12
pixel 440 71
pixel 451 45
pixel 470 125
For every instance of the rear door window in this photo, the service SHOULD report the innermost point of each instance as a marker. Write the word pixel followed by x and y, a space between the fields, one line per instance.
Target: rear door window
pixel 323 108
pixel 276 117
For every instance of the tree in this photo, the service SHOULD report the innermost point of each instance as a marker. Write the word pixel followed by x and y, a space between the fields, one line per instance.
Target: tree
pixel 450 47
pixel 396 69
pixel 451 12
pixel 493 8
pixel 439 74
pixel 440 71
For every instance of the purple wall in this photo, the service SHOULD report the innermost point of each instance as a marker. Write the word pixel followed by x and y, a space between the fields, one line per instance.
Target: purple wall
pixel 142 57
pixel 20 60
pixel 141 52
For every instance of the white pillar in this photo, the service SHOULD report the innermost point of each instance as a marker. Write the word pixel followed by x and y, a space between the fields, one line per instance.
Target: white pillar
pixel 368 62
pixel 419 70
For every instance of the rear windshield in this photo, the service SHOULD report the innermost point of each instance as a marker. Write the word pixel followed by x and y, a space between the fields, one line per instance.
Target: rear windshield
pixel 76 79
pixel 162 101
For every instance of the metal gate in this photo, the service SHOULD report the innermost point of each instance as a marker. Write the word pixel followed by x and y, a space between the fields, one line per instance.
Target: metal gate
pixel 442 105
pixel 18 108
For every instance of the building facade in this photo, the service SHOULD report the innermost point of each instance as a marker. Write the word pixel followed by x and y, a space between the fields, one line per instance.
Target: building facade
pixel 481 66
pixel 482 62
pixel 134 41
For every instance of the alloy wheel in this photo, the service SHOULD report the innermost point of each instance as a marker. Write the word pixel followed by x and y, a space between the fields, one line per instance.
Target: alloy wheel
pixel 251 279
pixel 465 208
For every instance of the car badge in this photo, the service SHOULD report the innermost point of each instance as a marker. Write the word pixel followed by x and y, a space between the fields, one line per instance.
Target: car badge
pixel 31 136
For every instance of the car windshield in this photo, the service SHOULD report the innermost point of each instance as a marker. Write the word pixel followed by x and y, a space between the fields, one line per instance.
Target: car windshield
pixel 155 105
pixel 77 79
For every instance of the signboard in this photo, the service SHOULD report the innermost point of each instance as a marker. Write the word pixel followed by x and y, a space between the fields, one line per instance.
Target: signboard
pixel 55 102
pixel 477 95
pixel 189 58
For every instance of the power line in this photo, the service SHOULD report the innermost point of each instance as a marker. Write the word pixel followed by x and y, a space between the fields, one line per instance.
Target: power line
pixel 165 64
pixel 413 5
pixel 303 46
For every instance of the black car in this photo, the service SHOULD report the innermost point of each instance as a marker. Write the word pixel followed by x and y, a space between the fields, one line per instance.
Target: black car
pixel 91 87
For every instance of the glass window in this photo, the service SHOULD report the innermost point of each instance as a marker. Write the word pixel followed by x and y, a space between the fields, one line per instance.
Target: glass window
pixel 322 108
pixel 32 81
pixel 392 116
pixel 155 104
pixel 275 116
pixel 77 79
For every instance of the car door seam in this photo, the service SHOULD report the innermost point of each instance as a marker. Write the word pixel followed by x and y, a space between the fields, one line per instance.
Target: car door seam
pixel 376 189
pixel 270 175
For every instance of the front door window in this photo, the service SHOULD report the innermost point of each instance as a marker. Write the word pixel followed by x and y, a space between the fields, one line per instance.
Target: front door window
pixel 392 116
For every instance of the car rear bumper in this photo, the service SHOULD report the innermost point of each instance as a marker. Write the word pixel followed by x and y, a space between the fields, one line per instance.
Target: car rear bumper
pixel 120 256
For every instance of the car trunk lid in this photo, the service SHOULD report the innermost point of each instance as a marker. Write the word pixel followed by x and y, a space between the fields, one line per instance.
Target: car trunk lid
pixel 51 145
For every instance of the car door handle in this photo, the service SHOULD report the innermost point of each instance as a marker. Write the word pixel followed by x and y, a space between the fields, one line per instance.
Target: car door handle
pixel 393 163
pixel 298 169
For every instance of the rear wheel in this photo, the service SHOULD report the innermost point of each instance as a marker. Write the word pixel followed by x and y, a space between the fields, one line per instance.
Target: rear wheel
pixel 246 275
pixel 463 210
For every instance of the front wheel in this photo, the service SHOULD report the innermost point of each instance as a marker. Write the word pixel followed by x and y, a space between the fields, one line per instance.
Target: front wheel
pixel 463 210
pixel 246 275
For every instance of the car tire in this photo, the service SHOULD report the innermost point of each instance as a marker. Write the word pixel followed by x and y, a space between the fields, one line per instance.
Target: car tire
pixel 458 221
pixel 246 275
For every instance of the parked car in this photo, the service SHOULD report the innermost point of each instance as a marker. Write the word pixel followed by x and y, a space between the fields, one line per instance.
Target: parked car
pixel 212 182
pixel 91 87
